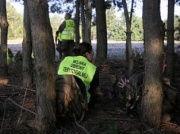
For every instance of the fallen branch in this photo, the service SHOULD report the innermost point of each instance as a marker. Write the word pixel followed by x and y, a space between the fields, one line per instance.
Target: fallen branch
pixel 82 117
pixel 119 119
pixel 9 85
pixel 80 125
pixel 21 106
pixel 8 95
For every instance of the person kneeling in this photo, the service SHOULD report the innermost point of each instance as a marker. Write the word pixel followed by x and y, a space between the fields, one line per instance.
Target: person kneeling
pixel 77 83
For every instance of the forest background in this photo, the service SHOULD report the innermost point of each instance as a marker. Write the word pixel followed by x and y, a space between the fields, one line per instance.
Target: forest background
pixel 41 31
pixel 114 19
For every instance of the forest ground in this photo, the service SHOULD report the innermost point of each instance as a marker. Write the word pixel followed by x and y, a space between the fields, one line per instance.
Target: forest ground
pixel 106 118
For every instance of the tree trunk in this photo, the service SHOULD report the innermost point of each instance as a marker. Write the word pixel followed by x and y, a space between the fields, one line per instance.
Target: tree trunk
pixel 129 52
pixel 154 34
pixel 83 20
pixel 170 41
pixel 101 51
pixel 88 17
pixel 4 32
pixel 44 59
pixel 77 21
pixel 27 50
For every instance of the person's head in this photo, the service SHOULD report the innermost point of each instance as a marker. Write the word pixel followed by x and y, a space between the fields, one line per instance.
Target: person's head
pixel 67 16
pixel 122 74
pixel 84 49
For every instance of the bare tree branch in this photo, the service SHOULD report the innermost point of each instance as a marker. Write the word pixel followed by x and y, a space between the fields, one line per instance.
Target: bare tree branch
pixel 21 106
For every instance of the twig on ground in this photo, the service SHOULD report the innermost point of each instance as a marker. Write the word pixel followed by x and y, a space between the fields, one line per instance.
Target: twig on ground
pixel 148 129
pixel 3 119
pixel 21 106
pixel 80 125
pixel 20 115
pixel 82 117
pixel 8 95
pixel 120 119
pixel 9 85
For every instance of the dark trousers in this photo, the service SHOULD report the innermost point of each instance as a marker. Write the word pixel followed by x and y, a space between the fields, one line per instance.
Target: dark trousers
pixel 67 47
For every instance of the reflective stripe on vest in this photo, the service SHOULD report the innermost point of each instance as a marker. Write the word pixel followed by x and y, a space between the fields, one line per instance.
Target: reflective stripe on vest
pixel 9 59
pixel 78 66
pixel 59 36
pixel 68 32
pixel 32 55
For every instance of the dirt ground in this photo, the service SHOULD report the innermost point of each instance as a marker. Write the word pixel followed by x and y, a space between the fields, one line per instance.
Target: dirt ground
pixel 17 108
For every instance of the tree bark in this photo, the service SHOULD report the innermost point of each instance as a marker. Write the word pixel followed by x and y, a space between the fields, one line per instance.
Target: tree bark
pixel 44 59
pixel 27 49
pixel 88 16
pixel 101 51
pixel 153 35
pixel 170 41
pixel 129 52
pixel 83 20
pixel 77 21
pixel 4 32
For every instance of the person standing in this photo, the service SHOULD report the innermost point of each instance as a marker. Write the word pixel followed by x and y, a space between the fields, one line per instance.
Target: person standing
pixel 66 32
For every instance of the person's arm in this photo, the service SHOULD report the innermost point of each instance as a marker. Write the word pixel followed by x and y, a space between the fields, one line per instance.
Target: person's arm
pixel 62 27
pixel 94 84
pixel 56 37
pixel 94 90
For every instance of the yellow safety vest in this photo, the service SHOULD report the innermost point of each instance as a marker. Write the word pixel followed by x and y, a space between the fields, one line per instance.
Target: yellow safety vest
pixel 69 31
pixel 78 66
pixel 32 55
pixel 59 36
pixel 9 59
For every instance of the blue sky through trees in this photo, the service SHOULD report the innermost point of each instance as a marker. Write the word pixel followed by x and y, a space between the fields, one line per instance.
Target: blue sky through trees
pixel 138 9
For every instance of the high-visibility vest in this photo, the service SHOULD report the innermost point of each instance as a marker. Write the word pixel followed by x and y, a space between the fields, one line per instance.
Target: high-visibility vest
pixel 68 32
pixel 9 59
pixel 59 36
pixel 32 55
pixel 9 56
pixel 78 66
